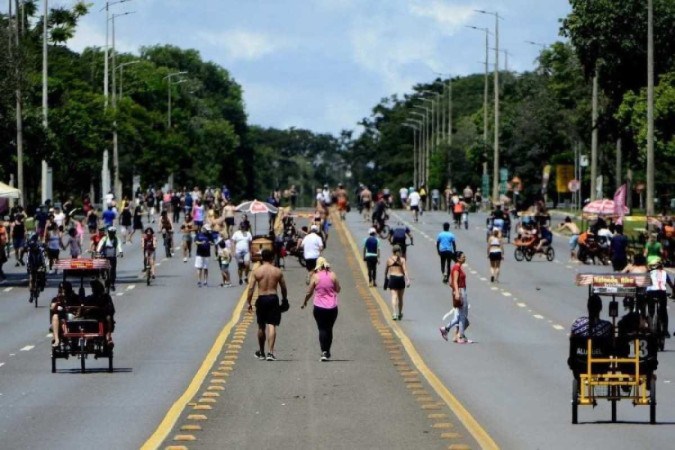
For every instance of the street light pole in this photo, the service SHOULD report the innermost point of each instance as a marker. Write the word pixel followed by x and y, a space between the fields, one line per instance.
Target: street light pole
pixel 485 99
pixel 46 191
pixel 121 69
pixel 413 124
pixel 168 78
pixel 19 103
pixel 650 108
pixel 422 143
pixel 495 167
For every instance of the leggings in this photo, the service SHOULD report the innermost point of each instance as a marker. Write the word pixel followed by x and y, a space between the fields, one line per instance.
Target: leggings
pixel 325 319
pixel 371 262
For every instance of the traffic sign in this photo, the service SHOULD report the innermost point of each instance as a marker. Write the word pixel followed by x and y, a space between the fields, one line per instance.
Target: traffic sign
pixel 573 185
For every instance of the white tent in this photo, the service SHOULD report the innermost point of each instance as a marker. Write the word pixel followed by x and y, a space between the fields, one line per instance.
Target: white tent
pixel 7 191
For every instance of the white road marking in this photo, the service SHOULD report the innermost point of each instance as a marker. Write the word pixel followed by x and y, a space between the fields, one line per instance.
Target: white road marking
pixel 158 264
pixel 506 294
pixel 665 381
pixel 12 354
pixel 119 294
pixel 538 316
pixel 473 272
pixel 7 289
pixel 522 305
pixel 483 279
pixel 27 348
pixel 493 288
pixel 130 287
pixel 2 364
pixel 558 327
pixel 569 267
pixel 49 335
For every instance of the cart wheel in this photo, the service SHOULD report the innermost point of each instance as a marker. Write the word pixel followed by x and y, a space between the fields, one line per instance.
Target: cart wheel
pixel 110 362
pixel 518 254
pixel 529 253
pixel 652 402
pixel 550 254
pixel 82 363
pixel 575 401
pixel 53 364
pixel 301 260
pixel 613 410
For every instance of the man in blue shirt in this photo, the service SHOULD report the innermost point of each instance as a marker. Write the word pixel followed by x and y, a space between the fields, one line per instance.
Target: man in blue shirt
pixel 617 249
pixel 371 255
pixel 446 247
pixel 397 236
pixel 109 216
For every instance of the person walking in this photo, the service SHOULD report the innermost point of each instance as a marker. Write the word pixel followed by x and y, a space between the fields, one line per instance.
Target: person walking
pixel 312 245
pixel 397 279
pixel 111 247
pixel 495 253
pixel 446 246
pixel 371 255
pixel 618 247
pixel 325 287
pixel 459 302
pixel 267 308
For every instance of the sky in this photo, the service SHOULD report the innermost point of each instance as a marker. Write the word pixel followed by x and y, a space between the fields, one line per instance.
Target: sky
pixel 322 65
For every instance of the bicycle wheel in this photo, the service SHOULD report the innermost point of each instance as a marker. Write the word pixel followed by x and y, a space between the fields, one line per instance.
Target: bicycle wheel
pixel 575 401
pixel 384 232
pixel 518 254
pixel 550 254
pixel 529 253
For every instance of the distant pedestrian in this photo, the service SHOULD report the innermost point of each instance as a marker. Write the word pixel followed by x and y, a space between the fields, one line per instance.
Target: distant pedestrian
pixel 459 301
pixel 312 246
pixel 325 287
pixel 267 308
pixel 371 255
pixel 495 253
pixel 618 250
pixel 397 279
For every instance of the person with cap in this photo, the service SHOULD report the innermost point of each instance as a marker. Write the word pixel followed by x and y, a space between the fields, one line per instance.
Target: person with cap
pixel 325 287
pixel 110 246
pixel 371 255
pixel 203 241
pixel 242 240
pixel 312 246
pixel 397 279
pixel 267 278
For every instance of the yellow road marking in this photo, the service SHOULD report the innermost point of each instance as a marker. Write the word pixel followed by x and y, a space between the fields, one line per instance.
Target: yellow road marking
pixel 184 437
pixel 167 424
pixel 471 424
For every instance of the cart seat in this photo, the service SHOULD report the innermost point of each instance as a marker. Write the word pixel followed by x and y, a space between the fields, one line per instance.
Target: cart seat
pixel 577 361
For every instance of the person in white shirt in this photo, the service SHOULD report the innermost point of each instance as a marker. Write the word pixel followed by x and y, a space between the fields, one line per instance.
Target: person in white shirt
pixel 59 218
pixel 403 194
pixel 414 199
pixel 109 197
pixel 242 239
pixel 312 246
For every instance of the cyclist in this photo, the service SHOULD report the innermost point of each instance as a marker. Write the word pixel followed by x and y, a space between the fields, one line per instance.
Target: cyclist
pixel 109 247
pixel 149 244
pixel 166 227
pixel 397 236
pixel 35 265
pixel 380 214
pixel 657 294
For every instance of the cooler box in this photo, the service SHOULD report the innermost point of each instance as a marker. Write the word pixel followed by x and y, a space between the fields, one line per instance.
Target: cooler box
pixel 258 245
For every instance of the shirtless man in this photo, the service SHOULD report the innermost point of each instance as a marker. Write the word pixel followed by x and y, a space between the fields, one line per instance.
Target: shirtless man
pixel 267 308
pixel 574 230
pixel 228 215
pixel 366 201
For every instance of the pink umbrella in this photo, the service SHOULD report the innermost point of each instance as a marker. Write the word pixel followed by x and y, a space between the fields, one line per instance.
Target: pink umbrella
pixel 603 207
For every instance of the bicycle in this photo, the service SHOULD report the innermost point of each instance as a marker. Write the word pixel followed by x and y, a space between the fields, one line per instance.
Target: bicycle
pixel 36 283
pixel 656 305
pixel 147 257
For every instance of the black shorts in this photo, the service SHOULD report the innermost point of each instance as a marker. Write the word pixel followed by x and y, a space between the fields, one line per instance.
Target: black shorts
pixel 310 264
pixel 415 208
pixel 267 310
pixel 396 282
pixel 366 204
pixel 495 256
pixel 229 221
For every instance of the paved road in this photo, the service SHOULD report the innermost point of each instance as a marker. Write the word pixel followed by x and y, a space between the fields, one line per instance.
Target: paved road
pixel 394 385
pixel 515 380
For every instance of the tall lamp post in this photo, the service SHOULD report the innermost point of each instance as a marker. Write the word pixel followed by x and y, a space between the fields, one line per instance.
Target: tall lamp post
pixel 415 127
pixel 423 143
pixel 116 164
pixel 495 167
pixel 650 108
pixel 436 118
pixel 121 67
pixel 46 191
pixel 485 99
pixel 169 84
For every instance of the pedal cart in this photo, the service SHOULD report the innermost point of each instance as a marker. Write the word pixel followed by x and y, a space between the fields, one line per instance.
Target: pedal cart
pixel 83 336
pixel 620 366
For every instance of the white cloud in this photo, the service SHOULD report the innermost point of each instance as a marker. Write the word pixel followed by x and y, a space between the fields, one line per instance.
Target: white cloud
pixel 244 45
pixel 450 17
pixel 88 35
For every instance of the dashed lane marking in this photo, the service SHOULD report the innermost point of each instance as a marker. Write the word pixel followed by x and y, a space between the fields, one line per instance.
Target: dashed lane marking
pixel 521 305
pixel 558 327
pixel 119 294
pixel 7 289
pixel 131 286
pixel 27 348
pixel 506 294
pixel 538 316
pixel 2 364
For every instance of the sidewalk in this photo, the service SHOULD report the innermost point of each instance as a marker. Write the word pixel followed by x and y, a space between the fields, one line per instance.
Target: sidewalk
pixel 369 396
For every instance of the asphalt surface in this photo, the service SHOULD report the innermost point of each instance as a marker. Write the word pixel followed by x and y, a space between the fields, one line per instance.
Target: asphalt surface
pixel 513 380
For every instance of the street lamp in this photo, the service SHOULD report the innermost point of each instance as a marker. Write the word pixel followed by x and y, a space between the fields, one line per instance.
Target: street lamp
pixel 485 100
pixel 106 70
pixel 121 67
pixel 416 126
pixel 46 191
pixel 448 86
pixel 116 180
pixel 169 83
pixel 436 117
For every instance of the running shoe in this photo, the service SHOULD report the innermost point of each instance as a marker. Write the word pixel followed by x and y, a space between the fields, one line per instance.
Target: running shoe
pixel 462 340
pixel 324 356
pixel 394 317
pixel 260 355
pixel 444 333
pixel 492 279
pixel 199 284
pixel 271 357
pixel 184 260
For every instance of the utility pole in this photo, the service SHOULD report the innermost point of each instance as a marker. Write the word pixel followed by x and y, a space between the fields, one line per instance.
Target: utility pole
pixel 485 99
pixel 650 108
pixel 46 191
pixel 594 136
pixel 16 57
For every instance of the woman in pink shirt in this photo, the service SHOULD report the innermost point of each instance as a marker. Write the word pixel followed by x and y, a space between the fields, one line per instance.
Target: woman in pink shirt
pixel 325 287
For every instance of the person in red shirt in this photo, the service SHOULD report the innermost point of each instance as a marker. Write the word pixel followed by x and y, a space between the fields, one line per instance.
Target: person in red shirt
pixel 96 238
pixel 459 301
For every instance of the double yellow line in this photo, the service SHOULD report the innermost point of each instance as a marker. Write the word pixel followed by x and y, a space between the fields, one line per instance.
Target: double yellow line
pixel 477 431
